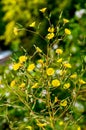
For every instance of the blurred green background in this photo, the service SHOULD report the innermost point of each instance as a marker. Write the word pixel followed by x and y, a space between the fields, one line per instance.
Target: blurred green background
pixel 21 13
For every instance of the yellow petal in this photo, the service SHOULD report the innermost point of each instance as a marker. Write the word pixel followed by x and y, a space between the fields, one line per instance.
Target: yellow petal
pixel 38 49
pixel 67 65
pixel 35 85
pixel 15 30
pixel 65 21
pixel 50 71
pixel 63 103
pixel 22 59
pixel 73 76
pixel 41 124
pixel 67 31
pixel 31 67
pixel 81 81
pixel 43 10
pixel 59 60
pixel 66 85
pixel 55 83
pixel 51 29
pixel 32 24
pixel 61 123
pixel 59 51
pixel 50 36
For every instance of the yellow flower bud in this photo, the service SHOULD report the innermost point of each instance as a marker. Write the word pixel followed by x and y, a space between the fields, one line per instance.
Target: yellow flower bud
pixel 22 59
pixel 22 85
pixel 59 51
pixel 65 21
pixel 73 76
pixel 67 31
pixel 67 65
pixel 61 123
pixel 51 29
pixel 50 36
pixel 81 81
pixel 66 85
pixel 56 99
pixel 63 103
pixel 13 83
pixel 35 85
pixel 16 66
pixel 32 24
pixel 43 10
pixel 59 60
pixel 38 49
pixel 40 61
pixel 41 124
pixel 31 67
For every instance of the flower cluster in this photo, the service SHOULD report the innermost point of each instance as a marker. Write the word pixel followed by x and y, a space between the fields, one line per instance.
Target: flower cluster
pixel 17 65
pixel 47 87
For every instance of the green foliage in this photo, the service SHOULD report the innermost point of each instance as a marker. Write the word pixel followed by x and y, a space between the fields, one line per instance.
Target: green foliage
pixel 24 12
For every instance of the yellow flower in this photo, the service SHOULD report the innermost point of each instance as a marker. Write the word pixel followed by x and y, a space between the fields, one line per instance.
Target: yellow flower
pixel 15 30
pixel 73 76
pixel 63 103
pixel 13 83
pixel 31 67
pixel 67 65
pixel 43 10
pixel 61 123
pixel 50 36
pixel 41 124
pixel 40 61
pixel 59 60
pixel 50 71
pixel 55 83
pixel 51 29
pixel 22 85
pixel 59 51
pixel 22 59
pixel 56 99
pixel 78 128
pixel 65 21
pixel 32 24
pixel 16 66
pixel 38 49
pixel 29 127
pixel 35 85
pixel 66 85
pixel 81 81
pixel 67 31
